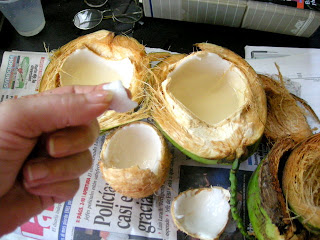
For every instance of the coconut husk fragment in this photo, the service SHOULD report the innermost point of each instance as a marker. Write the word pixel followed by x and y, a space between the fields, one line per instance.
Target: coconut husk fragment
pixel 284 117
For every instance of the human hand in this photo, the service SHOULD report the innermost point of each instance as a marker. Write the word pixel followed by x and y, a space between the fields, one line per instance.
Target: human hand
pixel 44 141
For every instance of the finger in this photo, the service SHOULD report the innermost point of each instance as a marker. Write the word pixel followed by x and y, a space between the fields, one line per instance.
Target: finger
pixel 59 111
pixel 44 171
pixel 18 206
pixel 24 120
pixel 75 89
pixel 59 191
pixel 68 89
pixel 80 89
pixel 72 140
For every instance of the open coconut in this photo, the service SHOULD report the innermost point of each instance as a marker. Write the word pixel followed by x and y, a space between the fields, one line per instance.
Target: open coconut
pixel 202 213
pixel 101 57
pixel 135 160
pixel 301 182
pixel 210 104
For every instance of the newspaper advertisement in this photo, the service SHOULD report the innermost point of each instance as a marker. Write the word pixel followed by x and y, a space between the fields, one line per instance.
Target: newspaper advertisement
pixel 97 211
pixel 21 73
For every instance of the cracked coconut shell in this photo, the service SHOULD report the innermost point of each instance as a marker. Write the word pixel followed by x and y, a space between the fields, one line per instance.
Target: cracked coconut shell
pixel 97 58
pixel 135 160
pixel 209 104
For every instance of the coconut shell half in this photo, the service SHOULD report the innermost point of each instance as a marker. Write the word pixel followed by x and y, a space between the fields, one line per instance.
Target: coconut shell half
pixel 135 160
pixel 202 213
pixel 301 182
pixel 210 104
pixel 97 58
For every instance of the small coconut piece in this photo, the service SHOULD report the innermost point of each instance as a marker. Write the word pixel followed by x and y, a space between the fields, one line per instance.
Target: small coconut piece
pixel 284 118
pixel 135 160
pixel 120 100
pixel 210 104
pixel 102 57
pixel 202 213
pixel 301 182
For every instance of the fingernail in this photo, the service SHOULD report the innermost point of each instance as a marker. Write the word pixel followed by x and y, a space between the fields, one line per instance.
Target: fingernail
pixel 99 96
pixel 56 144
pixel 37 171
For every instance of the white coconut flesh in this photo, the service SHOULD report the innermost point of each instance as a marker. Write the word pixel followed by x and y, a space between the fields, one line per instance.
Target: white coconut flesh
pixel 84 67
pixel 120 100
pixel 209 86
pixel 202 213
pixel 134 145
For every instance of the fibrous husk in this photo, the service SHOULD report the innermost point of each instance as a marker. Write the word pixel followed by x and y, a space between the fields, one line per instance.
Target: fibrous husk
pixel 267 208
pixel 284 118
pixel 112 48
pixel 202 213
pixel 121 156
pixel 301 182
pixel 226 140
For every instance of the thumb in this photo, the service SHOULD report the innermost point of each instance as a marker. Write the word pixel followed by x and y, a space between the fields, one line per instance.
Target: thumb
pixel 24 120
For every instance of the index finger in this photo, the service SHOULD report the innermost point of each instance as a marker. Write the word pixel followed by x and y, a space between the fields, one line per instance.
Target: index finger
pixel 74 89
pixel 78 89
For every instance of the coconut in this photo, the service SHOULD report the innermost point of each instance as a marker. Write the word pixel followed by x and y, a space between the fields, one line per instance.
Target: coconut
pixel 210 104
pixel 101 57
pixel 268 213
pixel 202 213
pixel 284 118
pixel 135 160
pixel 301 182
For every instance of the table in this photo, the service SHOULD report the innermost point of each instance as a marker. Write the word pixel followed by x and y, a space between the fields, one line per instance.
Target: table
pixel 156 33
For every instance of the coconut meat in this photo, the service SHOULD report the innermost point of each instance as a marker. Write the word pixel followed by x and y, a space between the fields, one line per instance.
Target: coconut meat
pixel 120 100
pixel 84 67
pixel 203 213
pixel 209 86
pixel 134 145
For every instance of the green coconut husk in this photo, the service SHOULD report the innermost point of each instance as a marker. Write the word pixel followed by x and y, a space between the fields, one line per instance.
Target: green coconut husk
pixel 234 202
pixel 268 213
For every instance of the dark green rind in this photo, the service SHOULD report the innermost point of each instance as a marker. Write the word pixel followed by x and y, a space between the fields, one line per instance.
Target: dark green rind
pixel 233 201
pixel 251 149
pixel 262 225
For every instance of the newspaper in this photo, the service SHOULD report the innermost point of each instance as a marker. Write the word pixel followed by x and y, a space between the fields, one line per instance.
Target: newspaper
pixel 299 67
pixel 97 211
